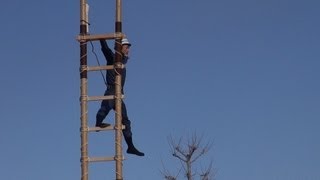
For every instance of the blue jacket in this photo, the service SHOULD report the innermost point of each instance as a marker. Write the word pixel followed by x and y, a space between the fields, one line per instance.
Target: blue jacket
pixel 110 58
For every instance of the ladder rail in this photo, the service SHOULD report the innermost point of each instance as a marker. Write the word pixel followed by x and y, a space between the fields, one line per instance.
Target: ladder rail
pixel 118 93
pixel 83 91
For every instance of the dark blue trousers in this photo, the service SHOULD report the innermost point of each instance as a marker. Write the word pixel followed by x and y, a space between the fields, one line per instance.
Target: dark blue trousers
pixel 107 105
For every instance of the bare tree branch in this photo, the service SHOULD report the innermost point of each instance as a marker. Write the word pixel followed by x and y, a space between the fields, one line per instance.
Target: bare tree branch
pixel 179 157
pixel 187 152
pixel 203 151
pixel 207 174
pixel 167 175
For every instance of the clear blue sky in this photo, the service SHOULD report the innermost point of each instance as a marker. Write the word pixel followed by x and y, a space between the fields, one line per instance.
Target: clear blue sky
pixel 243 73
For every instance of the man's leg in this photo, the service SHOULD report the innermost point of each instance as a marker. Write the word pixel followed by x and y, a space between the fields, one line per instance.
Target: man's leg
pixel 102 113
pixel 127 132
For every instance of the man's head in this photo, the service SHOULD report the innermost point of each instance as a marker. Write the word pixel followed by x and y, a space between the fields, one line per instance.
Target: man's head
pixel 125 46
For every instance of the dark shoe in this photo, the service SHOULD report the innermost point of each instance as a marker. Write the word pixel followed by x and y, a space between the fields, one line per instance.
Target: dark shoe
pixel 103 125
pixel 133 150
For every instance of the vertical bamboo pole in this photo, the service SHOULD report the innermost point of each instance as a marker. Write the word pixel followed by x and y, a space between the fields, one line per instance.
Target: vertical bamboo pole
pixel 83 92
pixel 118 100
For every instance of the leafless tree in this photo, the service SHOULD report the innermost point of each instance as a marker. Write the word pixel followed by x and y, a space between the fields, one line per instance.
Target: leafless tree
pixel 188 151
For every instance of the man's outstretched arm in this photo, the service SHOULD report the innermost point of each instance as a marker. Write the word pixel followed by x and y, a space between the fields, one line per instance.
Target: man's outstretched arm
pixel 107 52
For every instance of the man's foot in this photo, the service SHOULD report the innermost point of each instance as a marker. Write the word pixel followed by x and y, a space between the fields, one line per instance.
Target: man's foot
pixel 133 150
pixel 103 125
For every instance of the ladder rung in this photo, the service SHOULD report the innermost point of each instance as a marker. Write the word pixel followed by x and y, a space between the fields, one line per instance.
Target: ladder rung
pixel 99 36
pixel 100 129
pixel 97 98
pixel 101 159
pixel 98 68
pixel 97 129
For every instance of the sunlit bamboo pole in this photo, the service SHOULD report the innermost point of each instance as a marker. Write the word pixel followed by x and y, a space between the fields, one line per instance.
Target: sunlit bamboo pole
pixel 118 87
pixel 83 90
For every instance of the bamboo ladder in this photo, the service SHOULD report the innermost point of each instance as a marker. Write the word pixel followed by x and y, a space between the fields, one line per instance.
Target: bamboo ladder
pixel 83 38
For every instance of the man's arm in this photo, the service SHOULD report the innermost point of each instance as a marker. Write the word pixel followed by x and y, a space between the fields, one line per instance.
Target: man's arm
pixel 107 52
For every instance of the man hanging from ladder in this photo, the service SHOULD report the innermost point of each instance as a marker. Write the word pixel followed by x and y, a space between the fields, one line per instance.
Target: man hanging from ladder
pixel 107 105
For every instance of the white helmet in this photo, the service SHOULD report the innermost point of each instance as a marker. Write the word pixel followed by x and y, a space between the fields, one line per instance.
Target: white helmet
pixel 125 41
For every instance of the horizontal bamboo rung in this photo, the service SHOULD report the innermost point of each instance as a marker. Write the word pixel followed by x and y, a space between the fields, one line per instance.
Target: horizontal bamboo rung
pixel 101 159
pixel 100 37
pixel 98 68
pixel 97 129
pixel 98 98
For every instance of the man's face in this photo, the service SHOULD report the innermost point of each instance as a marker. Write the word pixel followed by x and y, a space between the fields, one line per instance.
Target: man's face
pixel 125 49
